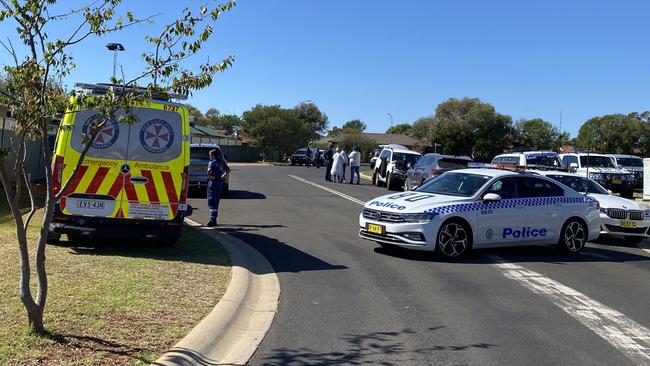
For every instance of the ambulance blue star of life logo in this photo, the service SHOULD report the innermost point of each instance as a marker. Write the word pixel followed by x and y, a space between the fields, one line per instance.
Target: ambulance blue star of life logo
pixel 107 134
pixel 156 136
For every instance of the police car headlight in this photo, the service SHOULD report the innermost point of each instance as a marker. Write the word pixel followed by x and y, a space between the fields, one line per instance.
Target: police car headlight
pixel 419 217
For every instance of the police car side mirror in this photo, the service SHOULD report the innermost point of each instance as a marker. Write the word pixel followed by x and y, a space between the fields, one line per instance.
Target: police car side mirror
pixel 491 197
pixel 573 167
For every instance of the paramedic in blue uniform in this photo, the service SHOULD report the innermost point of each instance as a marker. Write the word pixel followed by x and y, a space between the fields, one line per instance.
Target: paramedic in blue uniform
pixel 217 171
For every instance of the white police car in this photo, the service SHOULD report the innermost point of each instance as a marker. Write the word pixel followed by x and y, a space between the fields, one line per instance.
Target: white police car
pixel 482 208
pixel 620 217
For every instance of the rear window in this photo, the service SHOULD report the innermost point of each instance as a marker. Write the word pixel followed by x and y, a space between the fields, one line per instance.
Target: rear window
pixel 452 164
pixel 550 160
pixel 200 152
pixel 156 137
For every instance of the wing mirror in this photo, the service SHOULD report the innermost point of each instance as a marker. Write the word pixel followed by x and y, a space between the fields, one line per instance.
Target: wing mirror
pixel 573 167
pixel 491 197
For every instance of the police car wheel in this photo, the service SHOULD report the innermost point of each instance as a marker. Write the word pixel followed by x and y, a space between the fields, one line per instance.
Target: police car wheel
pixel 454 239
pixel 374 179
pixel 573 236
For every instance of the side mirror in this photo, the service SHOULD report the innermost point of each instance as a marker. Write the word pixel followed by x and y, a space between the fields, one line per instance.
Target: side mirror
pixel 491 197
pixel 573 167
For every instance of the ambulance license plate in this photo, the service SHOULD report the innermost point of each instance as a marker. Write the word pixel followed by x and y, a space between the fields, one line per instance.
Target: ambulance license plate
pixel 617 181
pixel 376 229
pixel 628 224
pixel 90 204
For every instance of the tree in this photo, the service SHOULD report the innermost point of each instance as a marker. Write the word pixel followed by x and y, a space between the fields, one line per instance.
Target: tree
pixel 34 98
pixel 354 125
pixel 614 133
pixel 272 127
pixel 199 118
pixel 422 129
pixel 470 127
pixel 402 128
pixel 317 120
pixel 228 122
pixel 537 132
pixel 365 144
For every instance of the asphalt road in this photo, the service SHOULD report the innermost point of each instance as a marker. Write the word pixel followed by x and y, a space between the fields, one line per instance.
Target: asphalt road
pixel 345 300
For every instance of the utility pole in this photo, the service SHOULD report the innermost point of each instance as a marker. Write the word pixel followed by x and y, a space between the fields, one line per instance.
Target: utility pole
pixel 391 127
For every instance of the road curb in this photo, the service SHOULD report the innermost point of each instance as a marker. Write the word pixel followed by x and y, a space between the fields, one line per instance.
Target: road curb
pixel 366 176
pixel 233 330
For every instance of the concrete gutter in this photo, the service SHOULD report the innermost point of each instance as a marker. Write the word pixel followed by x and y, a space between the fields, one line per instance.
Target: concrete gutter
pixel 233 330
pixel 367 175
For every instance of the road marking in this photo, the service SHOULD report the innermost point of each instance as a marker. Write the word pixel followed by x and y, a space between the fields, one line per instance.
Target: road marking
pixel 330 190
pixel 626 335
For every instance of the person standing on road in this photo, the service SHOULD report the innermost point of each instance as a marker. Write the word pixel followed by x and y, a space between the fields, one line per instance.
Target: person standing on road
pixel 307 157
pixel 355 164
pixel 344 156
pixel 329 157
pixel 217 171
pixel 318 157
pixel 337 167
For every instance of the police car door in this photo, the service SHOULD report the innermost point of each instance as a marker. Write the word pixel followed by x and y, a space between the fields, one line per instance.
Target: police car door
pixel 545 209
pixel 501 222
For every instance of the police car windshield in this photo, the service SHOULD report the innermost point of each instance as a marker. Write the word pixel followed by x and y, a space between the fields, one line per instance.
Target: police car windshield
pixel 579 184
pixel 597 161
pixel 455 184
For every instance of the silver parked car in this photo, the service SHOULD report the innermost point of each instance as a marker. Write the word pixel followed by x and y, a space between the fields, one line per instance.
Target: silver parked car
pixel 432 165
pixel 199 160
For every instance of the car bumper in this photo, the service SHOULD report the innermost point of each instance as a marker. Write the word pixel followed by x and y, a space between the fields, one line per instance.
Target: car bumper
pixel 395 233
pixel 613 227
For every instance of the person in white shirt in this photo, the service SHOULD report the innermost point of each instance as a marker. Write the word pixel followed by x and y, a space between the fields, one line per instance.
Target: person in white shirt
pixel 337 167
pixel 355 163
pixel 344 155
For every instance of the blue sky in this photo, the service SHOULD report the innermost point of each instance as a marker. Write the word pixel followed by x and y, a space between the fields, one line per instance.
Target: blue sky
pixel 364 59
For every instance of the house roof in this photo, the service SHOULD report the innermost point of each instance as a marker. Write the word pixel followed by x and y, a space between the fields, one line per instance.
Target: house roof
pixel 206 131
pixel 382 139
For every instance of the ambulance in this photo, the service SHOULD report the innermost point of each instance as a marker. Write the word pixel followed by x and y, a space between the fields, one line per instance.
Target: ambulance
pixel 132 184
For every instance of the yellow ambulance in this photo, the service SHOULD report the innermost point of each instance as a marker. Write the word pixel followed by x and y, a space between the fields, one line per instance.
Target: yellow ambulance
pixel 133 181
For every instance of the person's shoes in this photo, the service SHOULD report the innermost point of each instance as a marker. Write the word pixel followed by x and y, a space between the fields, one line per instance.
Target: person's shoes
pixel 357 182
pixel 211 224
pixel 349 182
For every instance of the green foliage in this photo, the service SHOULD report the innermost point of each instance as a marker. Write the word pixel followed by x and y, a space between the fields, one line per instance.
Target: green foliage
pixel 365 144
pixel 273 127
pixel 537 132
pixel 470 127
pixel 317 120
pixel 614 133
pixel 422 129
pixel 402 128
pixel 354 126
pixel 199 118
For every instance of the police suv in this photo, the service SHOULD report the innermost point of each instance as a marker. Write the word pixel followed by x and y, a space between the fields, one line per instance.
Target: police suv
pixel 480 208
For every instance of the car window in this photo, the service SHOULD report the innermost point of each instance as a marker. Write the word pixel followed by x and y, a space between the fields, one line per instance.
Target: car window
pixel 568 160
pixel 505 187
pixel 496 160
pixel 454 184
pixel 596 161
pixel 579 184
pixel 535 187
pixel 424 161
pixel 451 163
pixel 509 159
pixel 200 152
pixel 630 162
pixel 546 159
pixel 409 158
pixel 384 154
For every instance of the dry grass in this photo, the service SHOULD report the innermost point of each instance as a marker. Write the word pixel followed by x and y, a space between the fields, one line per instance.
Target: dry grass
pixel 117 304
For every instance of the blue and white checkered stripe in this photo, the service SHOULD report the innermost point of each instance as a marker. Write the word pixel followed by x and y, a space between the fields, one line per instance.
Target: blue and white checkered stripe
pixel 510 203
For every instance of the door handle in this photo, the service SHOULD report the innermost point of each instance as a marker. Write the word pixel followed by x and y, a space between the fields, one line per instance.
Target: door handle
pixel 139 180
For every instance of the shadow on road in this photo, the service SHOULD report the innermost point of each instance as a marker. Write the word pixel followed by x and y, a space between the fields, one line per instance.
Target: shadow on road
pixel 377 348
pixel 282 256
pixel 233 194
pixel 547 254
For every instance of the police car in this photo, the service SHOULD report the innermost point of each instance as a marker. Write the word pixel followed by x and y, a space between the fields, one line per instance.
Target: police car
pixel 481 208
pixel 620 217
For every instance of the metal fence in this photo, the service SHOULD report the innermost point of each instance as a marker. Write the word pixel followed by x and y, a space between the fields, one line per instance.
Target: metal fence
pixel 34 157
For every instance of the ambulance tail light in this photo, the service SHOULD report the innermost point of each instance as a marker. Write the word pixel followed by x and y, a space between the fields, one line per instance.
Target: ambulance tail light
pixel 57 173
pixel 185 185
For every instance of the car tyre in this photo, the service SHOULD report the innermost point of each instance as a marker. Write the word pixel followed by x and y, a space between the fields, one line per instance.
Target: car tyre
pixel 374 179
pixel 454 239
pixel 573 236
pixel 53 238
pixel 389 182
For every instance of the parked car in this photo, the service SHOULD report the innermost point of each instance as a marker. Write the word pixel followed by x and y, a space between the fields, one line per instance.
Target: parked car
pixel 199 160
pixel 432 165
pixel 385 172
pixel 543 160
pixel 481 208
pixel 603 169
pixel 619 216
pixel 633 164
pixel 373 159
pixel 300 156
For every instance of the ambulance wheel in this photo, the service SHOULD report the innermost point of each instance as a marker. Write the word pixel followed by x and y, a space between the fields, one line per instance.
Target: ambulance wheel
pixel 454 239
pixel 573 236
pixel 53 238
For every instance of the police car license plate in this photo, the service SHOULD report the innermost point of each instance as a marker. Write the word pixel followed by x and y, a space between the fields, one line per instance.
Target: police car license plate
pixel 617 181
pixel 628 224
pixel 90 204
pixel 376 229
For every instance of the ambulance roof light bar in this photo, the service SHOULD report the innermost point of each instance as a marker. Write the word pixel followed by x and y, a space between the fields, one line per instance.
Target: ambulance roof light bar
pixel 101 88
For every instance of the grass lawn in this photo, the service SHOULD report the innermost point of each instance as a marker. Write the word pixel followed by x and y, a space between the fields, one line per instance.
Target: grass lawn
pixel 117 304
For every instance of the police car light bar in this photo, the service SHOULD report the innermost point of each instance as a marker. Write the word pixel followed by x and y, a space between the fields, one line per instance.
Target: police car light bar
pixel 120 89
pixel 502 166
